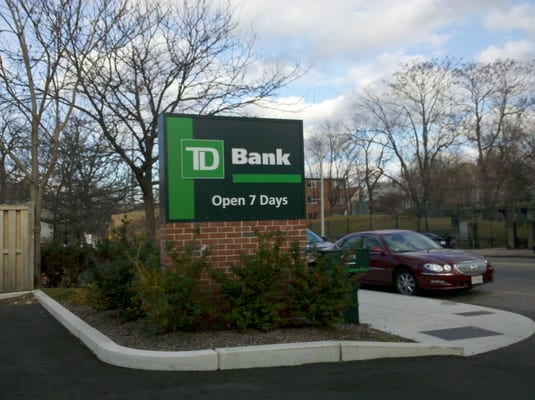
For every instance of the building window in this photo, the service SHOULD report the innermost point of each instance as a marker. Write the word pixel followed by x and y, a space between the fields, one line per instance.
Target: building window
pixel 312 200
pixel 312 184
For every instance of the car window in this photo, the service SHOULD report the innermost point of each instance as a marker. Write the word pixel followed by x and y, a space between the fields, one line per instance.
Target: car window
pixel 370 241
pixel 313 238
pixel 400 242
pixel 353 242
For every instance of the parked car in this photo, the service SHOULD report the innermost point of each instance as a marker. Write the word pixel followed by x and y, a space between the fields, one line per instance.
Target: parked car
pixel 315 243
pixel 441 240
pixel 410 261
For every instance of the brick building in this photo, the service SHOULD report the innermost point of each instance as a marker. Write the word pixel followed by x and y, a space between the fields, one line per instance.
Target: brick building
pixel 336 195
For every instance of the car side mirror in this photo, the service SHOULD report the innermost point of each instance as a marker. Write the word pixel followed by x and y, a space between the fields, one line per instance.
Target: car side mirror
pixel 377 249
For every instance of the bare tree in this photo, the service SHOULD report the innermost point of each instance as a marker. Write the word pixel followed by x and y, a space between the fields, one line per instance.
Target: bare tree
pixel 417 119
pixel 87 185
pixel 9 140
pixel 392 202
pixel 165 57
pixel 331 153
pixel 497 107
pixel 512 157
pixel 494 94
pixel 452 185
pixel 372 159
pixel 37 83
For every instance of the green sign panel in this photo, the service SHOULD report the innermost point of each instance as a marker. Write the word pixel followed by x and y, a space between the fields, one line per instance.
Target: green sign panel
pixel 228 169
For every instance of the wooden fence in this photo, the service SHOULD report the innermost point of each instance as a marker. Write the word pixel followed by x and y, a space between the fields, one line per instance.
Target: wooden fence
pixel 16 243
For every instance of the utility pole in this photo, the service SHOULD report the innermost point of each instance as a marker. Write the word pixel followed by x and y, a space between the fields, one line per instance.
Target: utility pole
pixel 322 208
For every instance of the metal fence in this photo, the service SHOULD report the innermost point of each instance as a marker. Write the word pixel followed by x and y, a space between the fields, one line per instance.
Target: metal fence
pixel 16 243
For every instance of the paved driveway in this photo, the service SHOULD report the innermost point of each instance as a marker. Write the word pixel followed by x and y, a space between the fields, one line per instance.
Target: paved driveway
pixel 39 359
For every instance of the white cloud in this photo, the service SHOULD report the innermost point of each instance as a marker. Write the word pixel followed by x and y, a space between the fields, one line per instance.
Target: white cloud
pixel 329 109
pixel 297 108
pixel 343 39
pixel 519 50
pixel 380 68
pixel 512 22
pixel 347 28
pixel 520 16
pixel 349 44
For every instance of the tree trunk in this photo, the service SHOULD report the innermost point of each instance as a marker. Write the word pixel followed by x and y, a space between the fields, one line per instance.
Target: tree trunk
pixel 37 204
pixel 149 207
pixel 3 180
pixel 150 215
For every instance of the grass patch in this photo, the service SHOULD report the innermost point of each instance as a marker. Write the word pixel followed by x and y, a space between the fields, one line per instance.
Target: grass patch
pixel 76 295
pixel 490 233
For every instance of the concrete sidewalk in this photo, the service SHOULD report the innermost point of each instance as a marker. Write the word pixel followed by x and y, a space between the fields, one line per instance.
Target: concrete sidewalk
pixel 505 253
pixel 439 328
pixel 437 322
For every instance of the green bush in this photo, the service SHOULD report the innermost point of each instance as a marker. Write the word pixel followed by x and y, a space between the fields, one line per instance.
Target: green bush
pixel 112 277
pixel 270 288
pixel 112 286
pixel 321 295
pixel 172 297
pixel 64 266
pixel 254 292
pixel 274 288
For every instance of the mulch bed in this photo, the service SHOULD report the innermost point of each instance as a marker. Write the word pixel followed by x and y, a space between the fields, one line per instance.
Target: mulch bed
pixel 138 334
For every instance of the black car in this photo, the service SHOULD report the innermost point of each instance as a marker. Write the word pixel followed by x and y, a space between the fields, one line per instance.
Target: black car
pixel 444 241
pixel 315 243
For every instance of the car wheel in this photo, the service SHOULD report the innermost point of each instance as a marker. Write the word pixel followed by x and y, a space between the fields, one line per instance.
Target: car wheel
pixel 405 283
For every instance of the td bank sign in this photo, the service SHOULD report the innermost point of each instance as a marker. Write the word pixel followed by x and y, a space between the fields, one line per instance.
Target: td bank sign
pixel 222 168
pixel 205 158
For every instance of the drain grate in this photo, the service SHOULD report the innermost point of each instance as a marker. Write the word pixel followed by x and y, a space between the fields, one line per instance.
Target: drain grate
pixel 464 332
pixel 474 313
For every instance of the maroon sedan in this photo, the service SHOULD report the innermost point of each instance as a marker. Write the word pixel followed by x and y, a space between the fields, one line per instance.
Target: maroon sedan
pixel 410 261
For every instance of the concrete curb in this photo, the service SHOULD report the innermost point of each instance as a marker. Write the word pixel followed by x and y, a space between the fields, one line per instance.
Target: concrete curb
pixel 110 352
pixel 5 296
pixel 359 351
pixel 274 355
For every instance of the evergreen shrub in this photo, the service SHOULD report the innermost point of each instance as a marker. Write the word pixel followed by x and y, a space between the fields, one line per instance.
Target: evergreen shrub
pixel 65 265
pixel 172 297
pixel 274 288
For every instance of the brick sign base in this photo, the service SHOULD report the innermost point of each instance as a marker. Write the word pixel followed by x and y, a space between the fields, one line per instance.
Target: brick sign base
pixel 226 240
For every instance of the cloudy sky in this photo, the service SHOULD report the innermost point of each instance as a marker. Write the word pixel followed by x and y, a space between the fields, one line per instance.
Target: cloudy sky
pixel 347 44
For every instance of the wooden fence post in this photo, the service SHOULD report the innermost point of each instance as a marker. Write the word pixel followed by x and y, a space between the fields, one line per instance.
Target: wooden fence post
pixel 16 246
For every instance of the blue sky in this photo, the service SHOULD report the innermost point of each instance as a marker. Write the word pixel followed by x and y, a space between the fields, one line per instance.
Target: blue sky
pixel 348 44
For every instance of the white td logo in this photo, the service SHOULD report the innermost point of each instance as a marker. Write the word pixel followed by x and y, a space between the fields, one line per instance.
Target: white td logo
pixel 200 159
